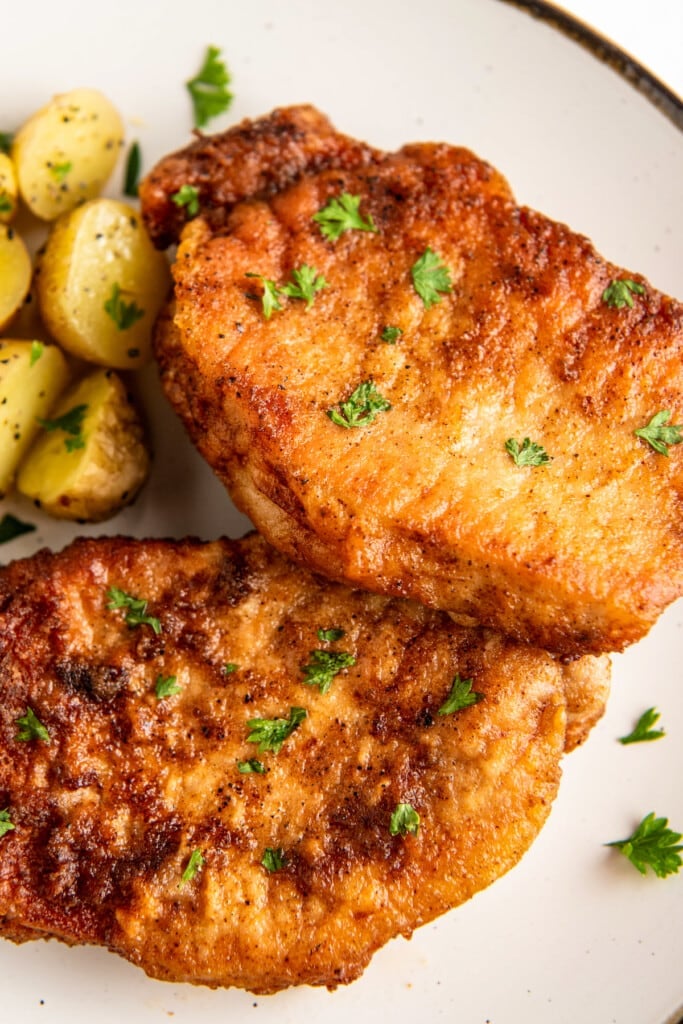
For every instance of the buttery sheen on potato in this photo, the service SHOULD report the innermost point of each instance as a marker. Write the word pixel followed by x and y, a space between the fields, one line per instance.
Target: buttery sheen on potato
pixel 15 274
pixel 8 189
pixel 65 153
pixel 102 283
pixel 91 459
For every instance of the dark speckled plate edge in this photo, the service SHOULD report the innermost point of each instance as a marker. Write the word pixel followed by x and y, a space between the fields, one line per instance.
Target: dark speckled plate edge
pixel 659 94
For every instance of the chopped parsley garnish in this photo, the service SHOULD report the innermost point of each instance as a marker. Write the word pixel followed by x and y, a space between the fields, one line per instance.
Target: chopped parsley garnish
pixel 209 88
pixel 6 140
pixel 391 335
pixel 643 731
pixel 652 845
pixel 620 293
pixel 251 767
pixel 187 196
pixel 60 171
pixel 6 204
pixel 273 859
pixel 271 733
pixel 328 636
pixel 124 314
pixel 136 614
pixel 37 349
pixel 230 667
pixel 195 862
pixel 306 281
pixel 527 454
pixel 11 527
pixel 404 819
pixel 270 300
pixel 360 408
pixel 461 696
pixel 658 435
pixel 342 214
pixel 31 728
pixel 324 666
pixel 71 422
pixel 166 686
pixel 5 822
pixel 133 168
pixel 430 277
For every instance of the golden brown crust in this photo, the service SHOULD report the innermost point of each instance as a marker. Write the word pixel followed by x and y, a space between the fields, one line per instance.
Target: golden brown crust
pixel 108 813
pixel 425 502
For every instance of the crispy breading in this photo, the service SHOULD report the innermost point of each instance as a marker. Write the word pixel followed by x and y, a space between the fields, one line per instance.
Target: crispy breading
pixel 109 807
pixel 579 554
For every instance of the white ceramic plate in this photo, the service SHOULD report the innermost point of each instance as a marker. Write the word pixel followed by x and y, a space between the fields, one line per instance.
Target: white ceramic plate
pixel 574 933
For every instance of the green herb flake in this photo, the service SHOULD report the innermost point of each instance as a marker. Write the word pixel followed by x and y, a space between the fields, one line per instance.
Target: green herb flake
pixel 430 277
pixel 273 859
pixel 5 823
pixel 6 140
pixel 643 731
pixel 306 283
pixel 360 408
pixel 187 196
pixel 271 733
pixel 270 300
pixel 31 728
pixel 324 666
pixel 209 88
pixel 620 293
pixel 658 435
pixel 124 314
pixel 527 454
pixel 391 335
pixel 71 422
pixel 132 173
pixel 461 696
pixel 652 845
pixel 404 820
pixel 342 214
pixel 6 204
pixel 251 767
pixel 329 636
pixel 136 609
pixel 230 667
pixel 11 527
pixel 60 171
pixel 166 686
pixel 37 349
pixel 194 864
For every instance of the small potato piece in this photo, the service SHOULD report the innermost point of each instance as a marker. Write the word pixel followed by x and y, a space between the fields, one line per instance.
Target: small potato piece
pixel 65 153
pixel 9 189
pixel 102 283
pixel 95 463
pixel 15 274
pixel 32 375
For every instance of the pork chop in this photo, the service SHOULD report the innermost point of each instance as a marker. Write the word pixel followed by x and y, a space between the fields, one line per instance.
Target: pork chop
pixel 414 385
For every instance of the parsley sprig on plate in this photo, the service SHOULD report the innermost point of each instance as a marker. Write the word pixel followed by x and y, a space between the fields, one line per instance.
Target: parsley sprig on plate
pixel 208 89
pixel 652 845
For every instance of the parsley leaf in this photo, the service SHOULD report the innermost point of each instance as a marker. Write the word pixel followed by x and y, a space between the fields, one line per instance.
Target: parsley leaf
pixel 529 454
pixel 273 859
pixel 6 140
pixel 187 196
pixel 328 636
pixel 643 730
pixel 208 89
pixel 271 733
pixel 229 667
pixel 430 277
pixel 124 314
pixel 6 204
pixel 618 293
pixel 306 282
pixel 37 349
pixel 60 171
pixel 11 527
pixel 166 686
pixel 391 335
pixel 195 862
pixel 252 766
pixel 342 214
pixel 652 845
pixel 71 422
pixel 270 300
pixel 658 435
pixel 324 666
pixel 360 408
pixel 31 728
pixel 133 167
pixel 461 696
pixel 5 822
pixel 404 819
pixel 137 608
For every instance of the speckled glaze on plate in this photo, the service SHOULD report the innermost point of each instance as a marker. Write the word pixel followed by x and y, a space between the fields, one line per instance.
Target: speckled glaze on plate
pixel 573 933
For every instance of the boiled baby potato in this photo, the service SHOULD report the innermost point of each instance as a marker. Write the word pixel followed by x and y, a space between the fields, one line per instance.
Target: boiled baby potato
pixel 32 375
pixel 66 152
pixel 102 283
pixel 9 189
pixel 15 274
pixel 91 459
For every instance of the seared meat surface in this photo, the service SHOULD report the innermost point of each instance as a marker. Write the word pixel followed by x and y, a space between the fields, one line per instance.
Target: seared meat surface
pixel 140 813
pixel 579 553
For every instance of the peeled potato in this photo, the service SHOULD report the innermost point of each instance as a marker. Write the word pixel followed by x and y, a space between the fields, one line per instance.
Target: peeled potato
pixel 102 283
pixel 31 377
pixel 66 152
pixel 15 274
pixel 9 189
pixel 92 460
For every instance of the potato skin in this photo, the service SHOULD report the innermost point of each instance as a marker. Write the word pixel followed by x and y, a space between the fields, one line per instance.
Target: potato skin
pixel 92 254
pixel 92 481
pixel 65 153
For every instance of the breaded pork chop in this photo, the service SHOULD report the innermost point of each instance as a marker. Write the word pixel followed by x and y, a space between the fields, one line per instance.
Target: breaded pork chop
pixel 447 412
pixel 232 772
